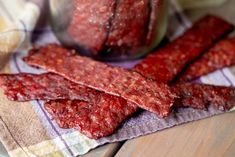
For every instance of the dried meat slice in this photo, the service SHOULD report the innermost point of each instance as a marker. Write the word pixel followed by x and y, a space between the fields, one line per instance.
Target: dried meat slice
pixel 147 94
pixel 95 120
pixel 90 23
pixel 95 114
pixel 200 96
pixel 47 86
pixel 129 26
pixel 164 64
pixel 219 56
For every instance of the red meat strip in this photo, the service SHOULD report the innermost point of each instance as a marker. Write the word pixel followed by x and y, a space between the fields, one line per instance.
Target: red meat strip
pixel 90 23
pixel 166 63
pixel 102 117
pixel 130 85
pixel 200 96
pixel 95 120
pixel 129 26
pixel 219 56
pixel 95 114
pixel 47 86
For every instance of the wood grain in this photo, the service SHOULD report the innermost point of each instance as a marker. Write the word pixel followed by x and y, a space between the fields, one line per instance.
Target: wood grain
pixel 212 137
pixel 104 151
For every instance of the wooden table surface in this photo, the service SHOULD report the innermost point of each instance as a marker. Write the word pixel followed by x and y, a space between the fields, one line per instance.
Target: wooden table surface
pixel 211 137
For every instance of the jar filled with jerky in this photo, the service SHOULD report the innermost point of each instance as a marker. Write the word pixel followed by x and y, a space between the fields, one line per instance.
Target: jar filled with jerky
pixel 110 30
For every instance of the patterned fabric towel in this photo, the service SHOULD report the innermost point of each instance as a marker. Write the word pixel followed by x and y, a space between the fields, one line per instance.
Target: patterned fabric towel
pixel 27 130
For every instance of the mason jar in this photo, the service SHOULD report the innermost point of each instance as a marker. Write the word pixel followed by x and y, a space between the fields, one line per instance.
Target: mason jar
pixel 108 29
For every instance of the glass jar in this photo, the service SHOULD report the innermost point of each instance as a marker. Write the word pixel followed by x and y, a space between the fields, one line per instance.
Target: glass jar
pixel 191 4
pixel 108 31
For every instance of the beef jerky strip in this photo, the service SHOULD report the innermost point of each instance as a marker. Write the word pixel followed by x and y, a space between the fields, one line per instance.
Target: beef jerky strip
pixel 90 23
pixel 94 113
pixel 147 94
pixel 95 120
pixel 47 86
pixel 131 16
pixel 219 56
pixel 200 96
pixel 166 63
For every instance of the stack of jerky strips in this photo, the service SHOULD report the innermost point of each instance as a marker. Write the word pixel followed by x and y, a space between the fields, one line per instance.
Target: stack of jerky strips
pixel 121 28
pixel 96 98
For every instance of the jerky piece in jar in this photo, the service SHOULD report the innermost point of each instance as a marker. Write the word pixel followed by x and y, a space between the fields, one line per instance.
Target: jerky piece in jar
pixel 129 26
pixel 166 63
pixel 219 56
pixel 147 94
pixel 200 96
pixel 90 23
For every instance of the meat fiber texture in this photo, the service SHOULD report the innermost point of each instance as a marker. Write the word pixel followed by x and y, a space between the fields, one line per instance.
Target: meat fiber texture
pixel 220 56
pixel 95 120
pixel 166 63
pixel 47 86
pixel 200 96
pixel 147 94
pixel 95 114
pixel 129 25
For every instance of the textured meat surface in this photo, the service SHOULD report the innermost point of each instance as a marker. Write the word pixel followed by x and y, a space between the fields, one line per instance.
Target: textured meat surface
pixel 90 23
pixel 129 26
pixel 200 96
pixel 95 114
pixel 85 116
pixel 219 56
pixel 166 63
pixel 95 120
pixel 47 86
pixel 130 85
